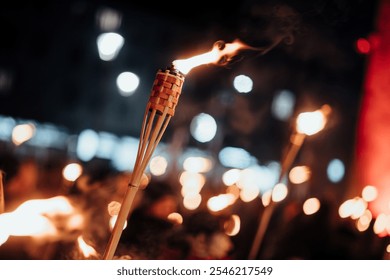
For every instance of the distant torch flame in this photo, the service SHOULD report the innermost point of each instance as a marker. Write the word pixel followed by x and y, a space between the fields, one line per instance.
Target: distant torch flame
pixel 86 249
pixel 220 52
pixel 38 218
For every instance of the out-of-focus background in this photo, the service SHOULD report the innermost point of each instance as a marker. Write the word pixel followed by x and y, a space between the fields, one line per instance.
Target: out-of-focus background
pixel 75 77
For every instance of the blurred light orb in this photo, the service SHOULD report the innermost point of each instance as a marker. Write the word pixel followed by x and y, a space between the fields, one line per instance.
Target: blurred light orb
pixel 72 171
pixel 279 192
pixel 87 144
pixel 197 164
pixel 203 127
pixel 191 202
pixel 232 225
pixel 127 83
pixel 363 46
pixel 235 157
pixel 243 84
pixel 335 170
pixel 369 193
pixel 175 218
pixel 283 105
pixel 231 176
pixel 299 174
pixel 109 44
pixel 158 165
pixel 310 123
pixel 311 206
pixel 22 133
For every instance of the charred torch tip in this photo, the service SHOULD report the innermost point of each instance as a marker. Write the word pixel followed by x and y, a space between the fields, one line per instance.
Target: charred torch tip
pixel 220 45
pixel 173 70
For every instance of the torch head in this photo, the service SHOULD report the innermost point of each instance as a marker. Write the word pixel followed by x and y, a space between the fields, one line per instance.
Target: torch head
pixel 166 91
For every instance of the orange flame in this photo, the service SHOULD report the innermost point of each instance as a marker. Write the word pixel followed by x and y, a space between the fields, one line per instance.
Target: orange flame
pixel 38 218
pixel 220 52
pixel 86 249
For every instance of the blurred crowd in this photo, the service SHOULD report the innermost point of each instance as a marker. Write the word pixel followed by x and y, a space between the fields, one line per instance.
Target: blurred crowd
pixel 159 227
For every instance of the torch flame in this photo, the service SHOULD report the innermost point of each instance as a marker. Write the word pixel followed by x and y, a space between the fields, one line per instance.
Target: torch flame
pixel 36 218
pixel 86 249
pixel 220 52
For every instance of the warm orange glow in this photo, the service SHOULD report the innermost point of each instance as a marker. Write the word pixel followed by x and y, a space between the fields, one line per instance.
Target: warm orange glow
pixel 279 192
pixel 232 225
pixel 363 223
pixel 220 51
pixel 191 202
pixel 266 198
pixel 112 221
pixel 113 208
pixel 40 218
pixel 22 133
pixel 369 193
pixel 299 174
pixel 192 183
pixel 220 202
pixel 175 218
pixel 310 123
pixel 382 225
pixel 311 206
pixel 353 208
pixel 72 171
pixel 87 250
pixel 158 165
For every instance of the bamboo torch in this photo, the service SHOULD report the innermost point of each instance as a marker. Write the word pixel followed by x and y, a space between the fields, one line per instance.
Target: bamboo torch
pixel 160 109
pixel 307 123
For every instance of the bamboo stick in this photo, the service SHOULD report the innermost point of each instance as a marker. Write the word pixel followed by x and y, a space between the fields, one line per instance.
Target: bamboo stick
pixel 164 97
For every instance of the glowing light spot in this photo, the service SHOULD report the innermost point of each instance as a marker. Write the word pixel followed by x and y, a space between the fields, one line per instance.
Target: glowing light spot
pixel 113 208
pixel 369 193
pixel 310 123
pixel 85 248
pixel 191 202
pixel 311 206
pixel 175 218
pixel 220 202
pixel 249 193
pixel 22 133
pixel 363 46
pixel 203 127
pixel 353 208
pixel 127 83
pixel 107 143
pixel 125 153
pixel 279 192
pixel 197 164
pixel 72 171
pixel 234 157
pixel 192 183
pixel 87 144
pixel 335 170
pixel 381 224
pixel 299 174
pixel 363 223
pixel 109 19
pixel 243 84
pixel 283 105
pixel 231 176
pixel 232 225
pixel 109 44
pixel 266 198
pixel 158 165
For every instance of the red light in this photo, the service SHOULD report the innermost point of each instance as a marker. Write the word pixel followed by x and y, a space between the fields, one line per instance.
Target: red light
pixel 363 46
